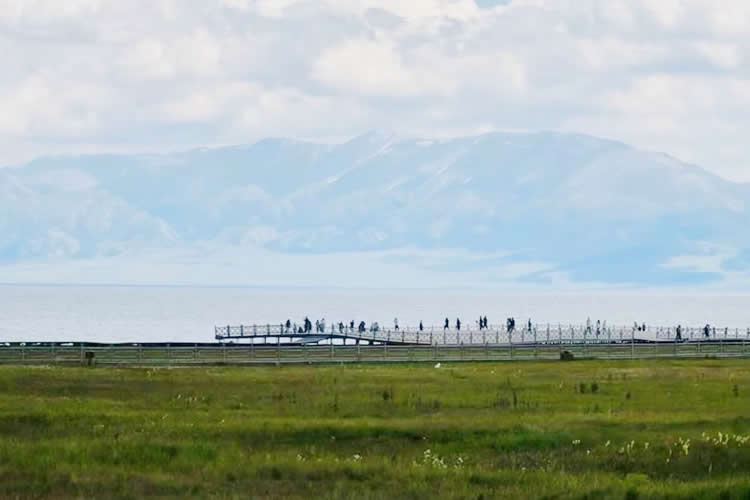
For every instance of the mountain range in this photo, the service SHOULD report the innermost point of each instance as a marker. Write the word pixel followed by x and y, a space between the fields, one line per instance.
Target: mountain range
pixel 532 208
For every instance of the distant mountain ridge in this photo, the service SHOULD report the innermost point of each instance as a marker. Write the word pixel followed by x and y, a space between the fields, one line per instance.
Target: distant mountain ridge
pixel 544 204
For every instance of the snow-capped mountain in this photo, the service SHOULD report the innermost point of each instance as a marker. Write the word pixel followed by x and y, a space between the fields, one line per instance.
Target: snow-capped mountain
pixel 544 205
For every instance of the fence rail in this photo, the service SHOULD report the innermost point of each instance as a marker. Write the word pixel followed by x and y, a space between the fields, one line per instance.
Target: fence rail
pixel 249 354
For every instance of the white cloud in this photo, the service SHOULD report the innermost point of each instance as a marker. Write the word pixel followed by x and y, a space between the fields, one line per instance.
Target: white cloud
pixel 88 75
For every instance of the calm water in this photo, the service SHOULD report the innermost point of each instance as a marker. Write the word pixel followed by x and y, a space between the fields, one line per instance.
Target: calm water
pixel 123 314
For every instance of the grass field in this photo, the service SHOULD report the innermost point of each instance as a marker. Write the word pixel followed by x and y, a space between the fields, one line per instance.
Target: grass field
pixel 585 429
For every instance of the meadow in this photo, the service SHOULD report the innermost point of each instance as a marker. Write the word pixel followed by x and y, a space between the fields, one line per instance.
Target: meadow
pixel 548 429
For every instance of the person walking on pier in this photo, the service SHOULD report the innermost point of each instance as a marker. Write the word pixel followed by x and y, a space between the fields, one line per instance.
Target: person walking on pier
pixel 351 326
pixel 485 322
pixel 308 325
pixel 395 324
pixel 707 331
pixel 458 324
pixel 421 326
pixel 447 324
pixel 678 333
pixel 288 325
pixel 530 327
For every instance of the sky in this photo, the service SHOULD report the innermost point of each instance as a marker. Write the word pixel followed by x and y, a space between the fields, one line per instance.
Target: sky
pixel 83 76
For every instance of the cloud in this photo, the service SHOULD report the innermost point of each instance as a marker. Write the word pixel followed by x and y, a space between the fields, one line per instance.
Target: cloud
pixel 103 75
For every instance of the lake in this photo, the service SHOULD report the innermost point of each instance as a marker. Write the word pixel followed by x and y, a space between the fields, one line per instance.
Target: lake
pixel 186 314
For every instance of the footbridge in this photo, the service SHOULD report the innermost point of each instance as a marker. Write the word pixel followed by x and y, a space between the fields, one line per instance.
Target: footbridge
pixel 492 335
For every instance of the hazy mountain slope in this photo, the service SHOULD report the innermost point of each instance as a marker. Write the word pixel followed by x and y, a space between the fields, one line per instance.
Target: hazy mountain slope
pixel 594 209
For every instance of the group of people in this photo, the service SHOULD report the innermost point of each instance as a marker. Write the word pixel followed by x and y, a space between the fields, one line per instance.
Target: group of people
pixel 319 326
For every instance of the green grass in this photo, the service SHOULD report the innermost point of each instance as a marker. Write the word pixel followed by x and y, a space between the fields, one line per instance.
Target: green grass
pixel 477 430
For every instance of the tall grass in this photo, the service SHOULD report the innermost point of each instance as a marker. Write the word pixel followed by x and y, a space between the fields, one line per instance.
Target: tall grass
pixel 677 429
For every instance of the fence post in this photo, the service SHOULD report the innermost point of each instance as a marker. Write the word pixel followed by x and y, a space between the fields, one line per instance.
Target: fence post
pixel 510 343
pixel 585 334
pixel 535 344
pixel 81 346
pixel 632 343
pixel 140 353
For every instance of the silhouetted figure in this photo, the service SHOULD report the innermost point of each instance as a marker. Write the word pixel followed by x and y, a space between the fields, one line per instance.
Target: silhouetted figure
pixel 288 325
pixel 341 327
pixel 447 324
pixel 508 325
pixel 707 331
pixel 643 327
pixel 458 324
pixel 308 325
pixel 351 325
pixel 678 333
pixel 362 327
pixel 421 326
pixel 598 327
pixel 486 325
pixel 395 324
pixel 530 326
